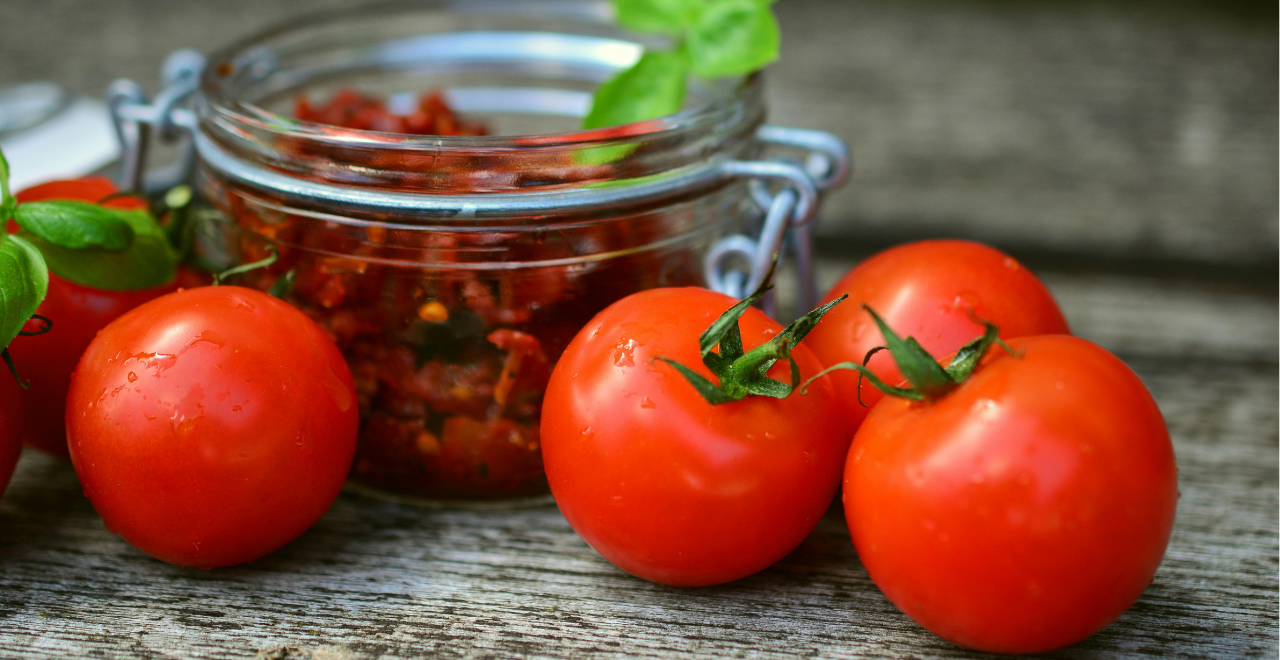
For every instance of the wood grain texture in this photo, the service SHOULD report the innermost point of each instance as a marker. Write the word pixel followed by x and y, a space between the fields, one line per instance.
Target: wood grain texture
pixel 1115 128
pixel 381 580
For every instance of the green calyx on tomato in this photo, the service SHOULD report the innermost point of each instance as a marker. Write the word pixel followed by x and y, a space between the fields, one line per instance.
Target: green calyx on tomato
pixel 712 39
pixel 91 244
pixel 744 373
pixel 928 378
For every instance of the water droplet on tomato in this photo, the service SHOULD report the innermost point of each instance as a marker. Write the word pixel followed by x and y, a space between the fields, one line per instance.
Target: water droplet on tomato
pixel 183 425
pixel 646 402
pixel 588 434
pixel 209 336
pixel 859 331
pixel 624 353
pixel 342 395
pixel 986 409
pixel 132 376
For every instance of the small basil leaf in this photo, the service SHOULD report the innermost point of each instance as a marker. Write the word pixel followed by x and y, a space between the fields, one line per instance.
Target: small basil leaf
pixel 654 87
pixel 603 155
pixel 668 16
pixel 76 225
pixel 732 38
pixel 6 200
pixel 24 280
pixel 149 262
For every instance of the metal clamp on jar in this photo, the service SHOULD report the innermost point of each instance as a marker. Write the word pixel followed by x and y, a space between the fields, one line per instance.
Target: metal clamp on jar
pixel 452 271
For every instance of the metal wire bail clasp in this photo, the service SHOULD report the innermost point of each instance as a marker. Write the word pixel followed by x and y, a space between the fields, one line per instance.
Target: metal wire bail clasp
pixel 788 213
pixel 168 115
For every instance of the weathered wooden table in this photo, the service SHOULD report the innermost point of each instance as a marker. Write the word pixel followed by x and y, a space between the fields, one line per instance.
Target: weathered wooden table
pixel 1128 156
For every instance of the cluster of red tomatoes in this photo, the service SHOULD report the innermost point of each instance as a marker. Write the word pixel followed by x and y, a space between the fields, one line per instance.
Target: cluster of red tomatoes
pixel 1014 501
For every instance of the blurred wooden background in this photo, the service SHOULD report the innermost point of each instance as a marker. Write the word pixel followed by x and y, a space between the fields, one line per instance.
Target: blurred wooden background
pixel 1132 133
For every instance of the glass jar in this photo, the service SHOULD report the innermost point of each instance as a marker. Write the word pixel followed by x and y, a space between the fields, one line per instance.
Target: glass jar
pixel 453 271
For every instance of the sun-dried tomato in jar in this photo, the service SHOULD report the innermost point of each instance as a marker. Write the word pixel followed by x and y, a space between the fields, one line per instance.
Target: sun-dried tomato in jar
pixel 453 269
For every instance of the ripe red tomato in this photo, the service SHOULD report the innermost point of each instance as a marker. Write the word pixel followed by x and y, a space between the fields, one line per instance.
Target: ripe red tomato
pixel 666 486
pixel 933 291
pixel 11 415
pixel 1022 511
pixel 77 312
pixel 211 426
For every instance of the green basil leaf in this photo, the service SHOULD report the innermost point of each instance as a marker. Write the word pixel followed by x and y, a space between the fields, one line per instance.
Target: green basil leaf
pixel 670 16
pixel 4 182
pixel 654 87
pixel 76 225
pixel 24 280
pixel 733 38
pixel 149 262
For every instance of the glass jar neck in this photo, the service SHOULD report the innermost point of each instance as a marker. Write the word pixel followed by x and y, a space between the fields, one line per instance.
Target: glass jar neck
pixel 520 66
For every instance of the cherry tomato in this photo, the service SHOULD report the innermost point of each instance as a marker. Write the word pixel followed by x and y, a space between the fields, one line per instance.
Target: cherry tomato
pixel 11 414
pixel 77 312
pixel 211 426
pixel 666 486
pixel 935 291
pixel 1022 511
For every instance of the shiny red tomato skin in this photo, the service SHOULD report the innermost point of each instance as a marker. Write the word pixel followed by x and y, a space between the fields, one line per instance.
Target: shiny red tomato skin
pixel 1023 511
pixel 664 485
pixel 211 426
pixel 78 312
pixel 46 361
pixel 11 415
pixel 933 291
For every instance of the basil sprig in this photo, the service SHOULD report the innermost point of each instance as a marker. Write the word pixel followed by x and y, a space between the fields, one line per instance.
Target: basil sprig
pixel 24 279
pixel 92 245
pixel 712 39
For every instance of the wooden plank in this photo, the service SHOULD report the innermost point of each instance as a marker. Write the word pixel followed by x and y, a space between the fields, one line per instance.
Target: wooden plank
pixel 1104 128
pixel 383 580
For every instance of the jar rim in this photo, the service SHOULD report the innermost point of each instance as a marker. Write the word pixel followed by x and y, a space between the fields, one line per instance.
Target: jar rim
pixel 221 104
